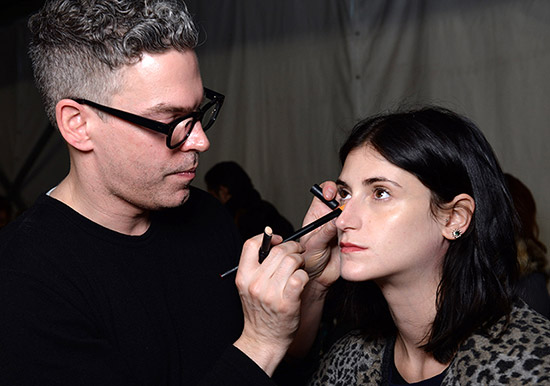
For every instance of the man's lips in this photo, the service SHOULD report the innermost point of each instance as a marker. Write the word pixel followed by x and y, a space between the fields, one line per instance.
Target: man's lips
pixel 185 173
pixel 350 247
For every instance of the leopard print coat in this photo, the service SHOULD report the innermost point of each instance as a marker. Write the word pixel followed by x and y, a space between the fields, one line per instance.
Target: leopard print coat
pixel 521 356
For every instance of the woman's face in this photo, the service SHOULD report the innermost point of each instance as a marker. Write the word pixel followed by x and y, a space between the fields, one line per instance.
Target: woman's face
pixel 387 231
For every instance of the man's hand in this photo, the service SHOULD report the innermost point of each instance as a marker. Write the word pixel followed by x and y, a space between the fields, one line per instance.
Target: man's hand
pixel 270 295
pixel 322 257
pixel 322 263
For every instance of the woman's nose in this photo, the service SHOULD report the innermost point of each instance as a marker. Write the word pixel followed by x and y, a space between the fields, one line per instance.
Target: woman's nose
pixel 348 218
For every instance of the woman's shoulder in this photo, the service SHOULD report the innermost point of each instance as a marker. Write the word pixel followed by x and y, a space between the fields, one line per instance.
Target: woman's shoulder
pixel 518 351
pixel 524 325
pixel 527 326
pixel 356 343
pixel 353 359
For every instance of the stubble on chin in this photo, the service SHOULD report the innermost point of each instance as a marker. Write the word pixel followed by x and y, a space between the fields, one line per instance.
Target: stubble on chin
pixel 168 200
pixel 186 195
pixel 177 199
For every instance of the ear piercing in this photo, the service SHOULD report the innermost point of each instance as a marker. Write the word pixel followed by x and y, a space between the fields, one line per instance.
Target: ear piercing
pixel 456 233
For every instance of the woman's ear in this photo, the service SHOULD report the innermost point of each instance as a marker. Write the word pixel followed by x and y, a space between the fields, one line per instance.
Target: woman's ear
pixel 459 213
pixel 73 122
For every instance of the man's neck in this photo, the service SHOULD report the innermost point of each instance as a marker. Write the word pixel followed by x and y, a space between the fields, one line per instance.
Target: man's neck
pixel 108 211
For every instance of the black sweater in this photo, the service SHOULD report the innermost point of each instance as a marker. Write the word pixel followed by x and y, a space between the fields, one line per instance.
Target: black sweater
pixel 83 305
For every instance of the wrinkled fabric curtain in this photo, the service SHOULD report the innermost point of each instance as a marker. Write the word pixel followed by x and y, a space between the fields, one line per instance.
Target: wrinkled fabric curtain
pixel 298 75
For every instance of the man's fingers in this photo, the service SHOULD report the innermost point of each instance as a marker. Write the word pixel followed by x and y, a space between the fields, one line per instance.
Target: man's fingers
pixel 295 285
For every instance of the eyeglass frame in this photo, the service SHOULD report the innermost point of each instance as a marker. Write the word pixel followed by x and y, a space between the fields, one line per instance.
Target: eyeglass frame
pixel 167 129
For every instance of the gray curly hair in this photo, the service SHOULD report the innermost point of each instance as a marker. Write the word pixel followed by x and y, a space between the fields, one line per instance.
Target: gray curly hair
pixel 79 46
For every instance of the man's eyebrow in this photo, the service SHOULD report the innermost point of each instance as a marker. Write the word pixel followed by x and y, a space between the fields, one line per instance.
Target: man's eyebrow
pixel 163 108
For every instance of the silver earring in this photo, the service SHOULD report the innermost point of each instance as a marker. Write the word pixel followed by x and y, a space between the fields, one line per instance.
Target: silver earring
pixel 456 233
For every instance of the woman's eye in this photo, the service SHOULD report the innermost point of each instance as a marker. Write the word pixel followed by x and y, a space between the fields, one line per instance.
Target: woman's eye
pixel 381 194
pixel 344 196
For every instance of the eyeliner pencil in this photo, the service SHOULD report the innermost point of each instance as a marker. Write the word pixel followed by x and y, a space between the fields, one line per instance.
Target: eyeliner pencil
pixel 318 192
pixel 262 253
pixel 266 244
pixel 305 230
pixel 315 224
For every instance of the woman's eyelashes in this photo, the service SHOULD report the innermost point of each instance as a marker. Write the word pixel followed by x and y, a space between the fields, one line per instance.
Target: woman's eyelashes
pixel 380 193
pixel 343 195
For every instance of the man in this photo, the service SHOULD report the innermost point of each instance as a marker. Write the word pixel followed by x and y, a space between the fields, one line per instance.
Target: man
pixel 108 279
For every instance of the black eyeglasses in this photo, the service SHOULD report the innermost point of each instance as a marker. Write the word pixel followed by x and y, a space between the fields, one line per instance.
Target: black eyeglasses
pixel 180 128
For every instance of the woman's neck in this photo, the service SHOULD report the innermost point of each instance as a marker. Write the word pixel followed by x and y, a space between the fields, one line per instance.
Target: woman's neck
pixel 413 311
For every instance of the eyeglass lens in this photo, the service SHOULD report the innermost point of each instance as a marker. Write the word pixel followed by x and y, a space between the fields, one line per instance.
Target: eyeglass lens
pixel 184 128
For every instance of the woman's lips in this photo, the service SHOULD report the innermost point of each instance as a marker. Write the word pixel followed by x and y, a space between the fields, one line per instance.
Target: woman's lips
pixel 349 248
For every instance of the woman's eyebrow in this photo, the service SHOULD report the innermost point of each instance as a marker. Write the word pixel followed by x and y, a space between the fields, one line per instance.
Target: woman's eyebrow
pixel 369 181
pixel 341 183
pixel 374 180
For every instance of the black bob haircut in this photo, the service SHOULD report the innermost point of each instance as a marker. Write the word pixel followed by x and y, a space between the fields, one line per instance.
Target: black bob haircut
pixel 449 155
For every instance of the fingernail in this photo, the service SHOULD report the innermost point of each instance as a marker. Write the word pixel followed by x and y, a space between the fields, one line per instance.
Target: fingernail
pixel 329 193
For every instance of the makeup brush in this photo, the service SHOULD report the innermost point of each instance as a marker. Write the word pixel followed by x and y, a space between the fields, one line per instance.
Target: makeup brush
pixel 303 231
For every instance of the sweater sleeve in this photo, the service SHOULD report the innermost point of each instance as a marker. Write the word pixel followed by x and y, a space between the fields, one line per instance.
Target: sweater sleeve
pixel 45 340
pixel 234 368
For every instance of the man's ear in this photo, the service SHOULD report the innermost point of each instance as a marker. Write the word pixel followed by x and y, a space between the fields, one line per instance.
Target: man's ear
pixel 73 122
pixel 458 214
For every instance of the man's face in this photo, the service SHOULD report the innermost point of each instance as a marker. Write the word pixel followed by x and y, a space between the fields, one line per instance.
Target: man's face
pixel 134 164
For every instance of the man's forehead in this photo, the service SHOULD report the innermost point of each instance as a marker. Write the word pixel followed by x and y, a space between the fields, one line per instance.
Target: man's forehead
pixel 170 81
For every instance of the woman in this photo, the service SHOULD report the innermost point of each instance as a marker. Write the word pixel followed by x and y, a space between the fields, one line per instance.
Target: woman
pixel 428 230
pixel 531 252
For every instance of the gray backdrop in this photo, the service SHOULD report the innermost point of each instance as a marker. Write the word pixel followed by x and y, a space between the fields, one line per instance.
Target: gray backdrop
pixel 298 74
